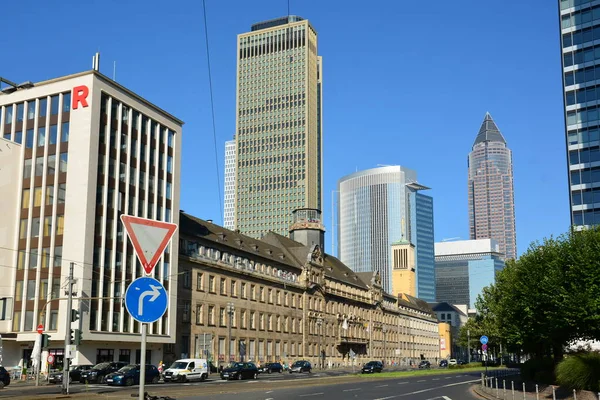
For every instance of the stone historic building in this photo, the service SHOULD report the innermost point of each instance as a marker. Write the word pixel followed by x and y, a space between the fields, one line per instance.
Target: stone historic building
pixel 280 299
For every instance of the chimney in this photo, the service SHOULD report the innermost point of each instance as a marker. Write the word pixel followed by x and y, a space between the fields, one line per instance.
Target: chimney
pixel 96 62
pixel 210 221
pixel 307 227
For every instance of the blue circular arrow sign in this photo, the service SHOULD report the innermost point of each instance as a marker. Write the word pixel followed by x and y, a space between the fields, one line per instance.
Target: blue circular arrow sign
pixel 146 300
pixel 483 339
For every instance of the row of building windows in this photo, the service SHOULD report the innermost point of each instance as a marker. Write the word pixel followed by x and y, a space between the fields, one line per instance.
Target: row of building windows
pixel 20 113
pixel 587 217
pixel 581 56
pixel 582 36
pixel 588 115
pixel 581 76
pixel 42 138
pixel 585 176
pixel 580 17
pixel 583 95
pixel 584 136
pixel 589 196
pixel 564 4
pixel 591 154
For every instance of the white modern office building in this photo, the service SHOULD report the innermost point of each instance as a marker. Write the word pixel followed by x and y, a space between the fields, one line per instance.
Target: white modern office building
pixel 229 187
pixel 77 152
pixel 464 267
pixel 378 207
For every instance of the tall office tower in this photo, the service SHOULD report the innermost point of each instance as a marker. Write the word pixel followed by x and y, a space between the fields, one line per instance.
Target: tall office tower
pixel 580 28
pixel 491 193
pixel 278 122
pixel 229 187
pixel 77 152
pixel 379 208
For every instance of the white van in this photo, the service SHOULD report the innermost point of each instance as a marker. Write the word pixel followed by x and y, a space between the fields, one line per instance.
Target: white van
pixel 188 369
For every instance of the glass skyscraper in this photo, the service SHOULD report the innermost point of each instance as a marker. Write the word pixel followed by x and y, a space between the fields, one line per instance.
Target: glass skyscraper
pixel 229 187
pixel 491 192
pixel 580 44
pixel 278 122
pixel 381 206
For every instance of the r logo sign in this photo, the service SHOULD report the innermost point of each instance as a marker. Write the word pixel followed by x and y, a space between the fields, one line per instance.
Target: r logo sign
pixel 79 96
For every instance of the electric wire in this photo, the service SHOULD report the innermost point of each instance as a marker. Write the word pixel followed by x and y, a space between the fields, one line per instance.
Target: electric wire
pixel 212 108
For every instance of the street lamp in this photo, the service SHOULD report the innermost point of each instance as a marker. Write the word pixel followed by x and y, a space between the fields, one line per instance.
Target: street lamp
pixel 384 330
pixel 230 311
pixel 319 324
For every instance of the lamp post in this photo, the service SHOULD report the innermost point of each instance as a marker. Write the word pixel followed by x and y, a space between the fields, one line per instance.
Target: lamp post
pixel 469 345
pixel 319 324
pixel 230 311
pixel 384 330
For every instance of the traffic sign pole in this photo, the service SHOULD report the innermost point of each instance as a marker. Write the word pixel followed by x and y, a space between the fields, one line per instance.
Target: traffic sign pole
pixel 143 361
pixel 65 382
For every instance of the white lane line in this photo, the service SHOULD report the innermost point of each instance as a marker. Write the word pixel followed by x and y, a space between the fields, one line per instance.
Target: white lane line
pixel 351 390
pixel 382 386
pixel 422 380
pixel 437 379
pixel 402 383
pixel 446 398
pixel 270 391
pixel 311 394
pixel 427 390
pixel 448 377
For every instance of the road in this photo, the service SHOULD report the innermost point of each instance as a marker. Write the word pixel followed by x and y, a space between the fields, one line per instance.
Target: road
pixel 328 385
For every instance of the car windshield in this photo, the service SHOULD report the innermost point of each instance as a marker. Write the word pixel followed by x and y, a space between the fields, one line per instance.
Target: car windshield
pixel 179 365
pixel 127 368
pixel 371 363
pixel 298 364
pixel 234 365
pixel 101 366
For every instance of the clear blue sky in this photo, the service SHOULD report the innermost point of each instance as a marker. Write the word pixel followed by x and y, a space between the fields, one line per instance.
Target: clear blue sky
pixel 405 82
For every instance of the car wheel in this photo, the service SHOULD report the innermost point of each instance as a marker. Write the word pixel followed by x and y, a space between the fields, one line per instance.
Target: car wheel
pixel 255 375
pixel 155 380
pixel 202 377
pixel 1 384
pixel 129 382
pixel 239 377
pixel 269 371
pixel 183 379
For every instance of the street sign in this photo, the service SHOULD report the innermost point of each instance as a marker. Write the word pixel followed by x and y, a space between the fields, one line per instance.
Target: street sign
pixel 40 329
pixel 149 238
pixel 352 354
pixel 483 339
pixel 146 300
pixel 484 347
pixel 50 359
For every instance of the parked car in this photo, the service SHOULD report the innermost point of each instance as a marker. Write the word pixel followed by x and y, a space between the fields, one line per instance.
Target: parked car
pixel 130 375
pixel 424 364
pixel 271 367
pixel 74 374
pixel 301 366
pixel 238 370
pixel 452 362
pixel 372 367
pixel 4 377
pixel 443 363
pixel 187 369
pixel 99 371
pixel 461 362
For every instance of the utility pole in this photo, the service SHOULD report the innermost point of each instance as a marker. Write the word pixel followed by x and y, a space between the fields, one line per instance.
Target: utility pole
pixel 469 345
pixel 65 384
pixel 384 330
pixel 230 311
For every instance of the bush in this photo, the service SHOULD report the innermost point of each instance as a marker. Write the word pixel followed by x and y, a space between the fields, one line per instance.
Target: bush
pixel 539 370
pixel 580 371
pixel 471 365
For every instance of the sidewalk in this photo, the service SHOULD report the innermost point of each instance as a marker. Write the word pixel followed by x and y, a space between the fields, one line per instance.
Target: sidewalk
pixel 503 389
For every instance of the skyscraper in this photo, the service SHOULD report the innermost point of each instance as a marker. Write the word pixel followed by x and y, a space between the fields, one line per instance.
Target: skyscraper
pixel 580 29
pixel 377 208
pixel 278 125
pixel 491 194
pixel 229 187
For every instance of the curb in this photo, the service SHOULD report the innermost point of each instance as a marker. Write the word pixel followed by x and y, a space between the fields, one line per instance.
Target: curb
pixel 476 389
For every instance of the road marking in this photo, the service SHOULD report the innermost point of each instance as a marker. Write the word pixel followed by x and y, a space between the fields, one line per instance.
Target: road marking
pixel 448 377
pixel 270 391
pixel 311 394
pixel 446 398
pixel 402 383
pixel 427 390
pixel 437 379
pixel 422 380
pixel 382 386
pixel 351 390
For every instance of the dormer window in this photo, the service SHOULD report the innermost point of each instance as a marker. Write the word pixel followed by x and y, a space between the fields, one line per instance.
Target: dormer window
pixel 281 255
pixel 239 242
pixel 254 247
pixel 221 236
pixel 269 251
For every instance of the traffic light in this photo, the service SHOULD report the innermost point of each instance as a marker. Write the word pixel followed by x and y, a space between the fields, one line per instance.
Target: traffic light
pixel 76 337
pixel 45 340
pixel 74 315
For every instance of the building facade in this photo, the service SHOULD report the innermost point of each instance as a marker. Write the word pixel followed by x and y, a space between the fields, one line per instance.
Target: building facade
pixel 464 268
pixel 580 28
pixel 452 318
pixel 491 192
pixel 278 125
pixel 381 206
pixel 83 151
pixel 229 187
pixel 277 299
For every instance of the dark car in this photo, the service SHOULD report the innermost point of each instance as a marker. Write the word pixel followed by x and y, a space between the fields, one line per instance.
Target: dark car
pixel 239 370
pixel 99 371
pixel 4 377
pixel 372 366
pixel 300 366
pixel 461 362
pixel 74 374
pixel 271 367
pixel 425 364
pixel 130 375
pixel 443 363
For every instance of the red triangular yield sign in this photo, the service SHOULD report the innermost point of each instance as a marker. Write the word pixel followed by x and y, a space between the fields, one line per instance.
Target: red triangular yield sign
pixel 149 238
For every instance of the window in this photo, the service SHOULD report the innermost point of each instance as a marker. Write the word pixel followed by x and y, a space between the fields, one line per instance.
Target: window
pixel 262 322
pixel 28 320
pixel 45 257
pixel 185 317
pixel 51 165
pixel 233 288
pixel 243 319
pixel 37 197
pixel 60 224
pixel 64 132
pixel 262 294
pixel 58 258
pixel 41 138
pixel 25 199
pixel 66 102
pixel 62 192
pixel 244 294
pixel 54 105
pixel 29 138
pixel 53 320
pixel 200 281
pixel 211 284
pixel 62 165
pixel 35 227
pixel 278 298
pixel 252 292
pixel 20 111
pixel 49 198
pixel 27 169
pixel 270 296
pixel 169 164
pixel 270 322
pixel 187 279
pixel 221 316
pixel 252 320
pixel 199 315
pixel 222 289
pixel 39 166
pixel 33 258
pixel 19 137
pixel 30 109
pixel 43 107
pixel 211 315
